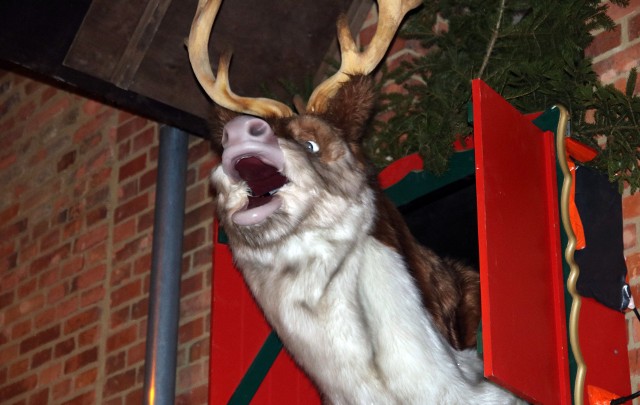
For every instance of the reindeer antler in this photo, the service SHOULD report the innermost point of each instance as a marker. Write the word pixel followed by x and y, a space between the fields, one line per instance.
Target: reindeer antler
pixel 219 89
pixel 390 15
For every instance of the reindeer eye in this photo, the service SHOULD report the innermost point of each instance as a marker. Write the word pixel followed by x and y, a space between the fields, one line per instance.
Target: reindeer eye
pixel 312 146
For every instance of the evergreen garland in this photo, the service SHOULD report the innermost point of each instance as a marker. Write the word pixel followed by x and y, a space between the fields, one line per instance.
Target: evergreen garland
pixel 532 53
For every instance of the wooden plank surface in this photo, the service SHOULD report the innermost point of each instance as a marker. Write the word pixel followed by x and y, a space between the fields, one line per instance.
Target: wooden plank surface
pixel 523 313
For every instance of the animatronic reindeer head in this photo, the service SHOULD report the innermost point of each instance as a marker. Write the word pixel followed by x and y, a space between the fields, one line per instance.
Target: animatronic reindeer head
pixel 254 144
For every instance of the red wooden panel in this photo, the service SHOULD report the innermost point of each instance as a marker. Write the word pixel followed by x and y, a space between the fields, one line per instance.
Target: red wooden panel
pixel 603 340
pixel 523 313
pixel 238 331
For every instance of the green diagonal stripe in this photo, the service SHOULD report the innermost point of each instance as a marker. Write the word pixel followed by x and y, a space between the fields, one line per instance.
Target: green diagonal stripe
pixel 257 371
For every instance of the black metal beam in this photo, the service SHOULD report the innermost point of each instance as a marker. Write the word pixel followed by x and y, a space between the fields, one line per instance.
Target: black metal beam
pixel 164 290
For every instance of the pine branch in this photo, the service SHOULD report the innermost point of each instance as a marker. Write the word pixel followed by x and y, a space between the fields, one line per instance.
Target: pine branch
pixel 494 37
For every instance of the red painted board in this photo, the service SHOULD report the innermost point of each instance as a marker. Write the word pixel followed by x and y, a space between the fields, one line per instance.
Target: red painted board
pixel 238 331
pixel 603 341
pixel 523 315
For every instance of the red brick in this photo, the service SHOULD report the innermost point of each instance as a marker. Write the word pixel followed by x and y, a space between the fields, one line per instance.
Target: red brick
pixel 144 140
pixel 18 368
pixel 136 354
pixel 19 387
pixel 140 308
pixel 8 263
pixel 128 190
pixel 197 395
pixel 148 179
pixel 631 206
pixel 133 248
pixel 196 195
pixel 82 320
pixel 47 114
pixel 72 266
pixel 91 277
pixel 92 295
pixel 604 42
pixel 125 230
pixel 65 347
pixel 96 215
pixel 633 29
pixel 199 350
pixel 131 208
pixel 617 12
pixel 40 358
pixel 145 221
pixel 21 329
pixel 50 373
pixel 9 214
pixel 134 397
pixel 45 318
pixel 81 360
pixel 9 352
pixel 97 254
pixel 119 383
pixel 125 293
pixel 190 330
pixel 51 239
pixel 32 304
pixel 27 288
pixel 92 107
pixel 7 248
pixel 67 307
pixel 88 398
pixel 132 168
pixel 131 127
pixel 39 397
pixel 91 238
pixel 202 257
pixel 194 239
pixel 618 63
pixel 14 230
pixel 120 317
pixel 61 389
pixel 198 216
pixel 122 338
pixel 115 363
pixel 50 258
pixel 190 375
pixel 40 339
pixel 94 125
pixel 85 379
pixel 194 304
pixel 88 337
pixel 7 160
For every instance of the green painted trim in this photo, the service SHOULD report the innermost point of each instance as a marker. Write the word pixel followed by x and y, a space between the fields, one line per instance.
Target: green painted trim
pixel 257 371
pixel 418 184
pixel 222 236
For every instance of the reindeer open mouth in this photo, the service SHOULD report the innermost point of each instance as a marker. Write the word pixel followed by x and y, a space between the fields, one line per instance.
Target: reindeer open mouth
pixel 263 180
pixel 252 154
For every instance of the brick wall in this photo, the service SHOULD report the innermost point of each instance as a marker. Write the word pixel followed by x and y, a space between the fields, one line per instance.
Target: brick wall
pixel 76 216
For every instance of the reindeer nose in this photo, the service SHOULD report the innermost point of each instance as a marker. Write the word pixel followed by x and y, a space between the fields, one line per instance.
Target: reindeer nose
pixel 244 129
pixel 246 136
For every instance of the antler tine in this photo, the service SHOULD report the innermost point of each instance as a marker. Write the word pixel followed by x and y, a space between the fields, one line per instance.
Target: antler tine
pixel 219 89
pixel 390 15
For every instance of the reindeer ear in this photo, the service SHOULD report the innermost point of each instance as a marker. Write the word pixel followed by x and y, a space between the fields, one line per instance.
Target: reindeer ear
pixel 351 107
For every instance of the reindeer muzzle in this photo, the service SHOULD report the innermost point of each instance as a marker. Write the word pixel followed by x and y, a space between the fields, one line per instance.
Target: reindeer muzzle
pixel 252 154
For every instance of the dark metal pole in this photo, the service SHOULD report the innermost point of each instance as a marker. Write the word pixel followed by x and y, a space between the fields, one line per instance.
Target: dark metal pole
pixel 164 290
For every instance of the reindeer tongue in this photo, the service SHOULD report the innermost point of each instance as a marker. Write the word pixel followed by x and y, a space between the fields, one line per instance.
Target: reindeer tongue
pixel 261 177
